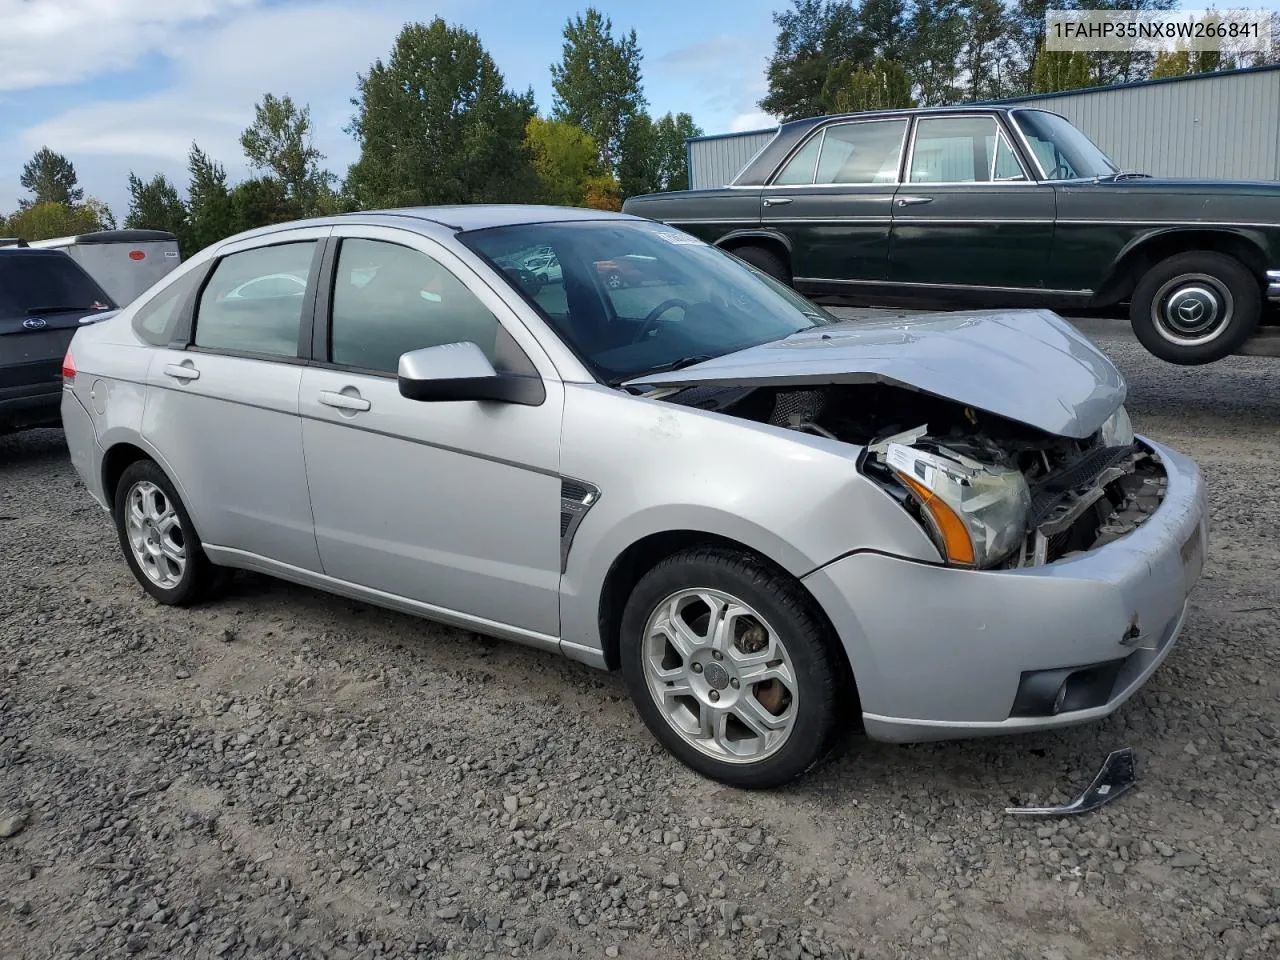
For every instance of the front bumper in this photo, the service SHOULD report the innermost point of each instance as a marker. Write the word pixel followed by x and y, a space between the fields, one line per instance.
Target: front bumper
pixel 1273 285
pixel 941 652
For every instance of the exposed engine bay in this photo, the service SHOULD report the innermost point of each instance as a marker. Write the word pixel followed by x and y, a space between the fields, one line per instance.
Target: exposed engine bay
pixel 1046 497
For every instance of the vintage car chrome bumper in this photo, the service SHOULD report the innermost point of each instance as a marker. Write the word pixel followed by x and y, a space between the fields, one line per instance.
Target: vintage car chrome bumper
pixel 1273 284
pixel 941 652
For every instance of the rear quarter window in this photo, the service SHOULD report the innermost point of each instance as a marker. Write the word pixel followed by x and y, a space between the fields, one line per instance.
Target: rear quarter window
pixel 156 319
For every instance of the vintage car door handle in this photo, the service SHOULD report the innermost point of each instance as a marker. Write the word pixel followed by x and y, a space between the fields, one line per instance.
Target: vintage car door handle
pixel 912 201
pixel 776 201
pixel 181 371
pixel 342 401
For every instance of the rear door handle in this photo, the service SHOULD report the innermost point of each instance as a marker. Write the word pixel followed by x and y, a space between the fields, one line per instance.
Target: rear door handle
pixel 912 201
pixel 776 201
pixel 343 401
pixel 181 371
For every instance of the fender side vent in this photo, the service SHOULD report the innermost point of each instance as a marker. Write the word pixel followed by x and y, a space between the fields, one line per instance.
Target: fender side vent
pixel 576 498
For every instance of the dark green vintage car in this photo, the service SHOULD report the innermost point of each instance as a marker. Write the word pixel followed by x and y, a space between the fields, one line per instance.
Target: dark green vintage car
pixel 996 206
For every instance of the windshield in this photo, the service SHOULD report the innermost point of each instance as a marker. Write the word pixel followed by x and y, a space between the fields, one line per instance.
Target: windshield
pixel 1064 153
pixel 46 283
pixel 634 297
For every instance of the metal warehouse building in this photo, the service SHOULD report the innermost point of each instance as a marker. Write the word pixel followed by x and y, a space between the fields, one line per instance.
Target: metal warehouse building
pixel 1222 125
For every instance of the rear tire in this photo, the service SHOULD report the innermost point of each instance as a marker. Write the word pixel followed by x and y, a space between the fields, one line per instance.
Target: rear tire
pixel 1195 307
pixel 752 704
pixel 159 541
pixel 766 261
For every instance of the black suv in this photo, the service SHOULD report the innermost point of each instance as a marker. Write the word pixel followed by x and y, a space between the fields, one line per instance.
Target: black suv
pixel 45 296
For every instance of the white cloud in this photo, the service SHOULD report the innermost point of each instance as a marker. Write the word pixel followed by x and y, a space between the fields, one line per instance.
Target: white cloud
pixel 47 42
pixel 751 121
pixel 718 79
pixel 311 51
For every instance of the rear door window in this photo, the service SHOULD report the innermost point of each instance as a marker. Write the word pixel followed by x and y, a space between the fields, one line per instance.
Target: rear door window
pixel 155 320
pixel 254 301
pixel 33 284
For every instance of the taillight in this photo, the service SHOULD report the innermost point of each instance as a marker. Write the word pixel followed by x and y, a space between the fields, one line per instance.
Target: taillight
pixel 68 367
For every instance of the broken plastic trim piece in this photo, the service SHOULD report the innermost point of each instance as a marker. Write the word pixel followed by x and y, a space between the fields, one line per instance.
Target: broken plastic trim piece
pixel 1119 772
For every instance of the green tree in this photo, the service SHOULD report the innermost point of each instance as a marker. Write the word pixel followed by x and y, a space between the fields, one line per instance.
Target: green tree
pixel 938 29
pixel 813 37
pixel 1057 70
pixel 987 49
pixel 671 133
pixel 155 205
pixel 210 211
pixel 279 142
pixel 261 201
pixel 565 159
pixel 1171 63
pixel 884 85
pixel 436 124
pixel 638 171
pixel 597 83
pixel 48 219
pixel 51 177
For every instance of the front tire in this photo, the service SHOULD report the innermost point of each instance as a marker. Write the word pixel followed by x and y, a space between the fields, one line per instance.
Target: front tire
pixel 158 539
pixel 1195 307
pixel 731 668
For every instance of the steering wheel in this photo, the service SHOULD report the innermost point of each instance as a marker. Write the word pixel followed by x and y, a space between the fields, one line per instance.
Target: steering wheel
pixel 652 317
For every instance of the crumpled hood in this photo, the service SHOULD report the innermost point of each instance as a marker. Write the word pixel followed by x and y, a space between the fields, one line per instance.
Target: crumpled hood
pixel 1026 365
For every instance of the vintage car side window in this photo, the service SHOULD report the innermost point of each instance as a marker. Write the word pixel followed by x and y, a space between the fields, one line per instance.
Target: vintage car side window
pixel 389 299
pixel 1005 165
pixel 865 152
pixel 952 150
pixel 253 303
pixel 801 167
pixel 154 321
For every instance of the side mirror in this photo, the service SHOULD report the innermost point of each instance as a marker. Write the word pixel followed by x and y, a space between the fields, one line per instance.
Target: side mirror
pixel 461 371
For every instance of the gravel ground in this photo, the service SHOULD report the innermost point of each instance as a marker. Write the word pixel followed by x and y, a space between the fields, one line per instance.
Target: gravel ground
pixel 286 774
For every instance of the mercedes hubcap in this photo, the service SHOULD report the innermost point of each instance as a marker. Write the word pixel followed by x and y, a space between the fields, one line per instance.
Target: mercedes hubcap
pixel 720 675
pixel 155 534
pixel 1192 310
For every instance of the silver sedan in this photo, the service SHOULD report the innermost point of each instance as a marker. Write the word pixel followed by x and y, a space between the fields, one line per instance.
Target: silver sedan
pixel 769 520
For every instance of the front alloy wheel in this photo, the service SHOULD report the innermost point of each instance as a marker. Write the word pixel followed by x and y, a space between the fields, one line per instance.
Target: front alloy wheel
pixel 732 667
pixel 721 676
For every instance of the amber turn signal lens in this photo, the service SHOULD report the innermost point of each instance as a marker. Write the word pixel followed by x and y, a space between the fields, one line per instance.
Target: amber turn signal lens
pixel 955 538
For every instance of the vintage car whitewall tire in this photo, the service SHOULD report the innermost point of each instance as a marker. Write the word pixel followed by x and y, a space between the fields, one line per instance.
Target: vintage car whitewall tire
pixel 731 668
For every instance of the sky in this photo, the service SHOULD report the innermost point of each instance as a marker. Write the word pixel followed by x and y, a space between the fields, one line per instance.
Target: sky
pixel 126 85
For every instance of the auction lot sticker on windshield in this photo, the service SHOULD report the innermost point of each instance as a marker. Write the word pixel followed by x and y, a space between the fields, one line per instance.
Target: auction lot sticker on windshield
pixel 678 238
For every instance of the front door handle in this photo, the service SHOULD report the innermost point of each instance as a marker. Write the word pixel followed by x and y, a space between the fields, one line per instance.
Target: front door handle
pixel 181 371
pixel 912 201
pixel 343 401
pixel 776 201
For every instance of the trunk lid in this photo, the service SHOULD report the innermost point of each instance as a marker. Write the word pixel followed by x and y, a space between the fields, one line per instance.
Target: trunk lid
pixel 1029 366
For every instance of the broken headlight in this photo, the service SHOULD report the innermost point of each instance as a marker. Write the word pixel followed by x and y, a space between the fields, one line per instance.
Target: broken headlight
pixel 1118 430
pixel 976 512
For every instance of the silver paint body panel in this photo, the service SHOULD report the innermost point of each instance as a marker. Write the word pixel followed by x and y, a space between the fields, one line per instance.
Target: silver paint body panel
pixel 449 510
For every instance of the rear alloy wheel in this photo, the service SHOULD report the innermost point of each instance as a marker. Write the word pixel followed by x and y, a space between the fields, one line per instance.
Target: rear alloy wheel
pixel 1195 307
pixel 160 545
pixel 766 261
pixel 730 668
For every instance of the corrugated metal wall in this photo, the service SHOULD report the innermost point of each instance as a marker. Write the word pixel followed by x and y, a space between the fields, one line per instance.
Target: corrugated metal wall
pixel 714 161
pixel 1222 126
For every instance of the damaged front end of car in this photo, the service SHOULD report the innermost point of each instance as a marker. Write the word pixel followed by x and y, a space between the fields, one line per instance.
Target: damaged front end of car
pixel 993 493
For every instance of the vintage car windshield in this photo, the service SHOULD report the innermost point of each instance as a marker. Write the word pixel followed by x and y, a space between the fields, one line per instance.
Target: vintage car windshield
pixel 634 297
pixel 1062 150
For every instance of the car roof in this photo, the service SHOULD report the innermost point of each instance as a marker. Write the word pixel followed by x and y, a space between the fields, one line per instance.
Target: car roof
pixel 456 217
